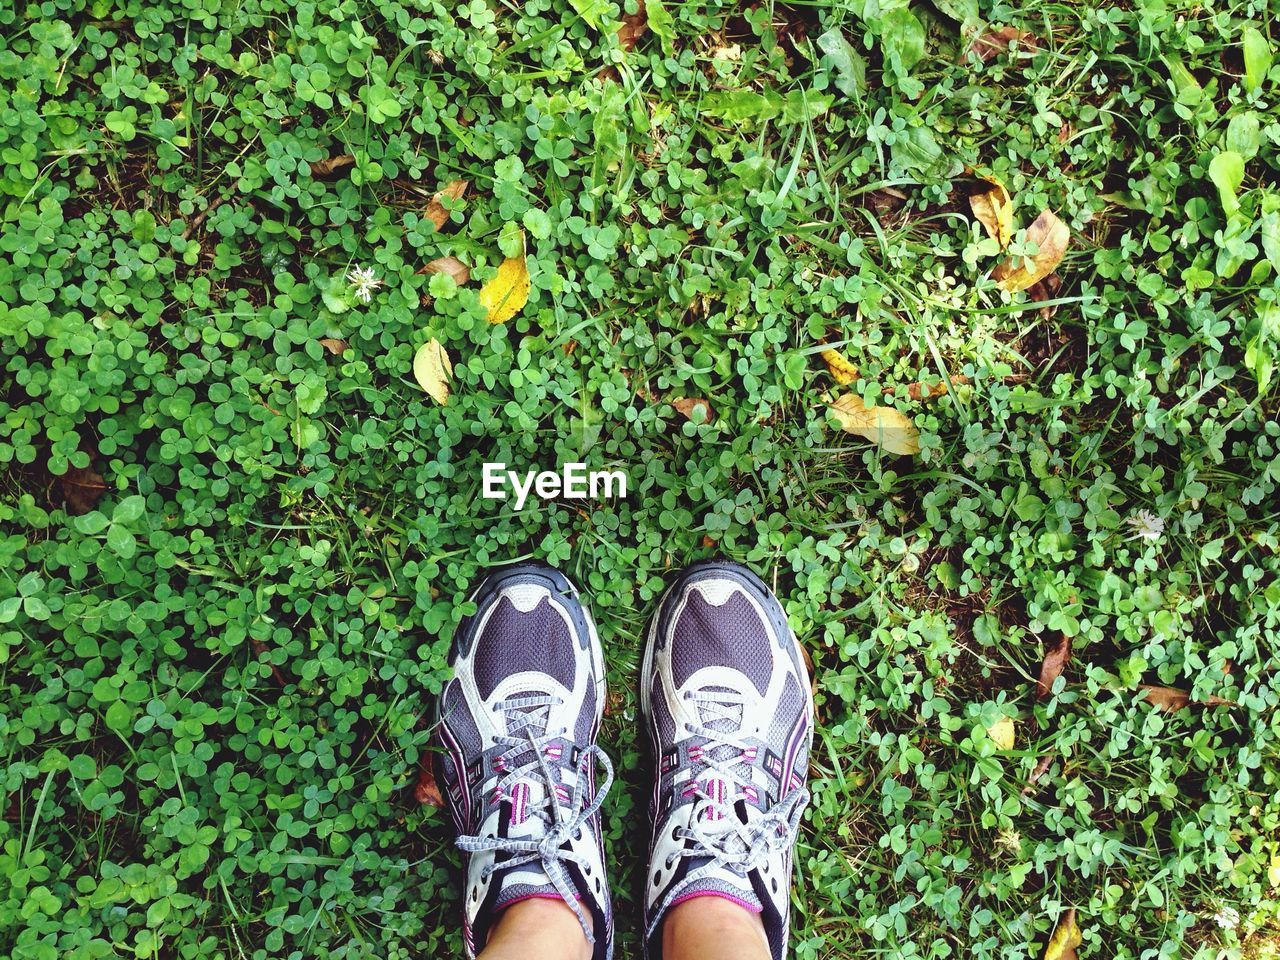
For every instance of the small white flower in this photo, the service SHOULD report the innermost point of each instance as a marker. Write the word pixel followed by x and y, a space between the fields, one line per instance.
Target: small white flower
pixel 1145 526
pixel 1227 917
pixel 365 282
pixel 1010 840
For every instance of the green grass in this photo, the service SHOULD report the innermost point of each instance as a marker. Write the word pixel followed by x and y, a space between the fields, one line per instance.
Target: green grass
pixel 231 559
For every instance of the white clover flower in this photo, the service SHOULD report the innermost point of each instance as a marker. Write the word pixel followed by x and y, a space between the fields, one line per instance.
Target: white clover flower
pixel 1145 526
pixel 1010 840
pixel 365 281
pixel 1227 917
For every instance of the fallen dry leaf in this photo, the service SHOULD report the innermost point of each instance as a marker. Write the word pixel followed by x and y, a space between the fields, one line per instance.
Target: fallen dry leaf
pixel 1171 700
pixel 1045 289
pixel 335 346
pixel 1042 767
pixel 506 294
pixel 886 426
pixel 708 541
pixel 990 45
pixel 842 371
pixel 1051 236
pixel 451 266
pixel 1002 733
pixel 261 650
pixel 453 191
pixel 1056 659
pixel 731 52
pixel 331 165
pixel 687 406
pixel 633 27
pixel 808 665
pixel 1065 939
pixel 993 208
pixel 433 371
pixel 929 391
pixel 425 791
pixel 82 488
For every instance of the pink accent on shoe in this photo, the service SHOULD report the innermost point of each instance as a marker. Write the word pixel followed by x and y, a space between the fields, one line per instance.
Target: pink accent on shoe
pixel 694 894
pixel 532 896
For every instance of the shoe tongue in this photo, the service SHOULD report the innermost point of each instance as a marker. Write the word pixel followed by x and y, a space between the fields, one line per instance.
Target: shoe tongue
pixel 712 715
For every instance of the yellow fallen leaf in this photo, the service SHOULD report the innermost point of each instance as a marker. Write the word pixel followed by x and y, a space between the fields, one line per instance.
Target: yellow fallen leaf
pixel 842 371
pixel 1273 871
pixel 1051 236
pixel 506 294
pixel 887 426
pixel 994 211
pixel 1001 733
pixel 1065 939
pixel 433 371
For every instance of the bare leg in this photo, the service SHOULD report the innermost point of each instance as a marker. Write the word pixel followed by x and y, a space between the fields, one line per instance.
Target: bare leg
pixel 713 928
pixel 537 929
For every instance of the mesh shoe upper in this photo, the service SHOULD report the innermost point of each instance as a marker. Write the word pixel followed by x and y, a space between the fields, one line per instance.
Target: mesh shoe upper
pixel 731 720
pixel 517 727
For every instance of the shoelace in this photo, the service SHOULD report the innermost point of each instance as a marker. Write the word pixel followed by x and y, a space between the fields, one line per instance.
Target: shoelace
pixel 741 847
pixel 523 715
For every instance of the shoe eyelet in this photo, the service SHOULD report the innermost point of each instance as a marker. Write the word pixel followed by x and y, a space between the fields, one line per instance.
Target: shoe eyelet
pixel 657 878
pixel 773 882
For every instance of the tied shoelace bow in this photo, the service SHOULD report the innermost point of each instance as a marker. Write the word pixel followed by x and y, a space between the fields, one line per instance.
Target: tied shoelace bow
pixel 528 734
pixel 715 829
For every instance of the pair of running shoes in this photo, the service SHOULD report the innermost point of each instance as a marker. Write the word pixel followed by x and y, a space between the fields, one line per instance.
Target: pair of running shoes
pixel 726 698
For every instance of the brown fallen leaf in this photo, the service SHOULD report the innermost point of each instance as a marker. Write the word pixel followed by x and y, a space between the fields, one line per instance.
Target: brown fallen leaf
pixel 687 406
pixel 451 266
pixel 82 488
pixel 808 665
pixel 425 791
pixel 993 208
pixel 453 191
pixel 990 45
pixel 708 541
pixel 1051 237
pixel 335 346
pixel 1171 700
pixel 929 391
pixel 260 650
pixel 331 165
pixel 1056 659
pixel 842 371
pixel 633 27
pixel 1042 767
pixel 1045 289
pixel 1065 939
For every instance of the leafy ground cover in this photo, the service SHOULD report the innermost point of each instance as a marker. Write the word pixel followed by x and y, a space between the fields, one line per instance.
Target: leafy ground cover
pixel 957 320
